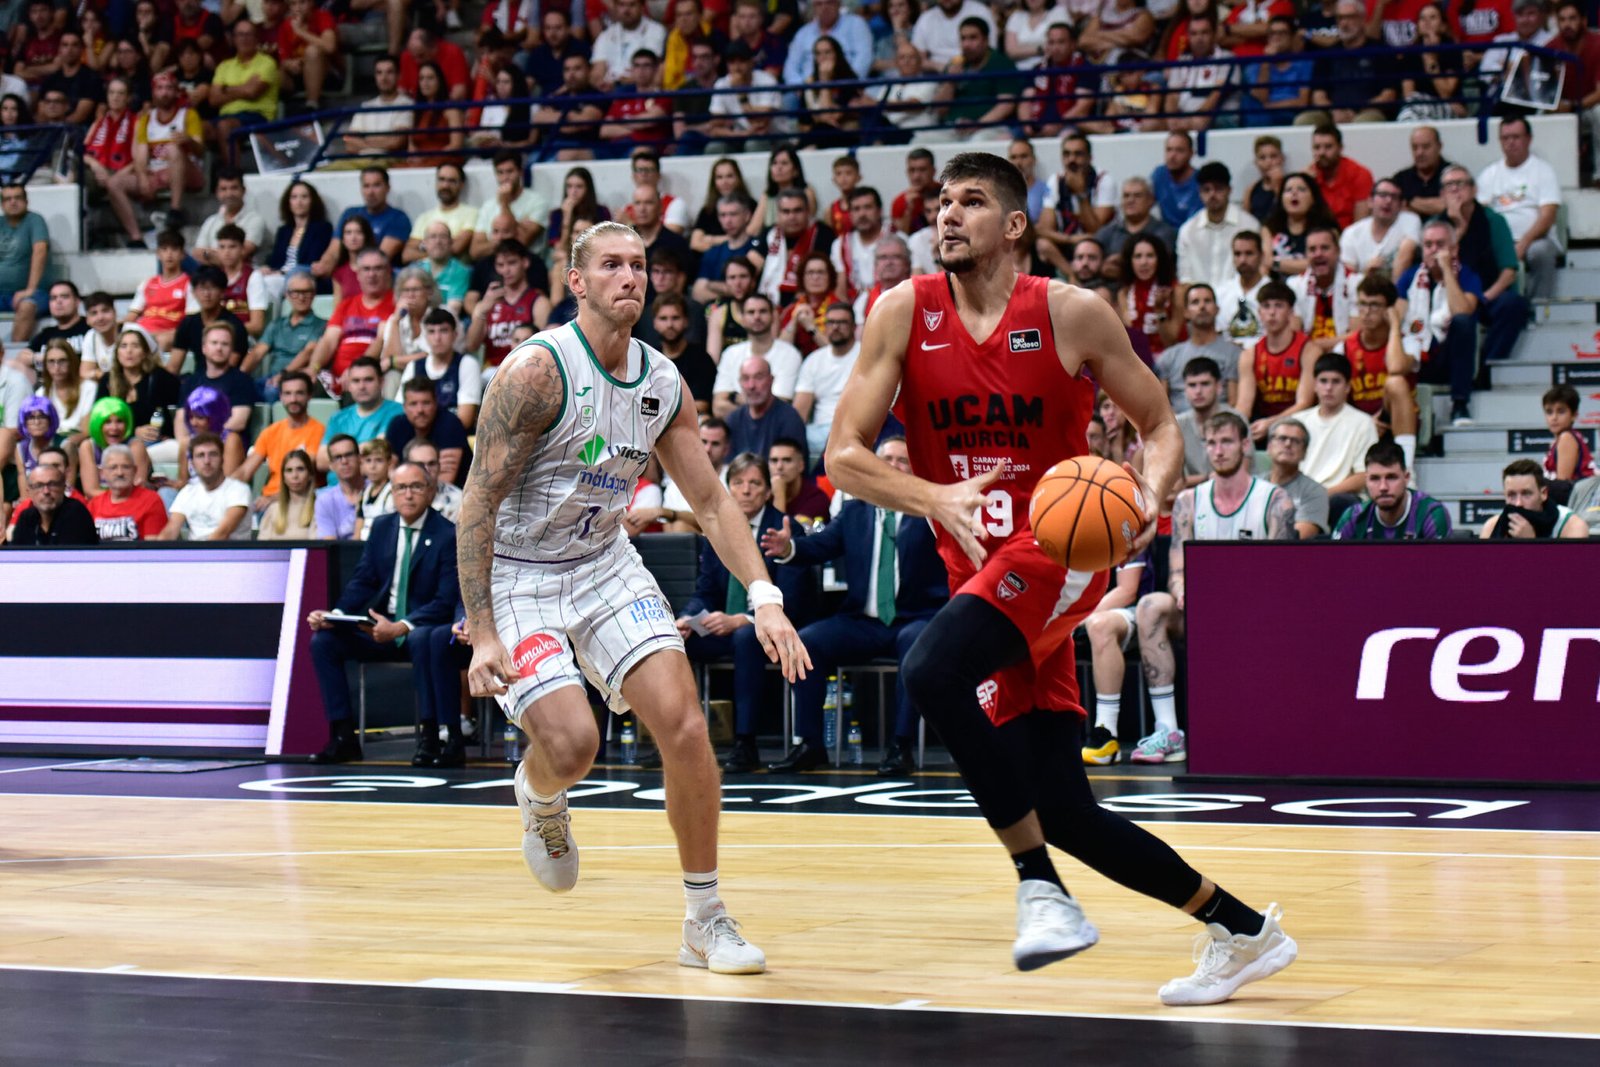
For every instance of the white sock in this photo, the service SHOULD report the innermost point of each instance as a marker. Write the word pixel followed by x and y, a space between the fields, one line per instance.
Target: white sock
pixel 1108 711
pixel 700 899
pixel 540 800
pixel 1165 705
pixel 1408 445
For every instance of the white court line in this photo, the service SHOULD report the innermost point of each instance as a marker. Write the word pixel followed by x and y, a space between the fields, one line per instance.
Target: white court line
pixel 777 846
pixel 1341 824
pixel 575 990
pixel 53 766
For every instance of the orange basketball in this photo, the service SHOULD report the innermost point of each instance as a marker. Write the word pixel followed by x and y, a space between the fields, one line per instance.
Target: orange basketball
pixel 1086 513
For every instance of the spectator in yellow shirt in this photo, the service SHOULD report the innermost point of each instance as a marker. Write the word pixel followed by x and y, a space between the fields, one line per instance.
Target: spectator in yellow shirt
pixel 245 87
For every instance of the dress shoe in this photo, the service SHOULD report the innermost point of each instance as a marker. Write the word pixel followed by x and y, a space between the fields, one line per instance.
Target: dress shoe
pixel 427 746
pixel 341 748
pixel 802 757
pixel 452 754
pixel 744 757
pixel 898 760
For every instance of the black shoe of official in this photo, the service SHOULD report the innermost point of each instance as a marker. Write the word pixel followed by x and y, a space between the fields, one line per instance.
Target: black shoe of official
pixel 427 753
pixel 650 761
pixel 898 760
pixel 743 758
pixel 341 748
pixel 803 757
pixel 452 753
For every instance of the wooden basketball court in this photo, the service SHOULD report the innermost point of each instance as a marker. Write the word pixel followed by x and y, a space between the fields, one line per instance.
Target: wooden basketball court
pixel 1458 932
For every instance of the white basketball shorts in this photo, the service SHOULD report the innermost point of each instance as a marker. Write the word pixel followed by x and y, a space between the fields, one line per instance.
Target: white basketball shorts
pixel 596 617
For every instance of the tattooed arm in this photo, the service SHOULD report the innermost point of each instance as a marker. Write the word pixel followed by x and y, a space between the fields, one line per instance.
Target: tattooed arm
pixel 518 407
pixel 1280 517
pixel 1182 530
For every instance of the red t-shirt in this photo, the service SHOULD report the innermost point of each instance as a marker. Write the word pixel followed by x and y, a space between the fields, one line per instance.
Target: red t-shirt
pixel 139 518
pixel 451 60
pixel 165 303
pixel 290 44
pixel 504 318
pixel 1259 13
pixel 1349 183
pixel 360 324
pixel 1486 20
pixel 632 107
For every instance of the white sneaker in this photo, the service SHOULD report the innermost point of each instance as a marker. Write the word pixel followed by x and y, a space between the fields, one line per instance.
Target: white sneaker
pixel 547 844
pixel 717 946
pixel 1227 961
pixel 1050 926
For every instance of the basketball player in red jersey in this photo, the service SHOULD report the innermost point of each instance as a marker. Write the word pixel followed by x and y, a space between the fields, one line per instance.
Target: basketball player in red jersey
pixel 1271 369
pixel 994 669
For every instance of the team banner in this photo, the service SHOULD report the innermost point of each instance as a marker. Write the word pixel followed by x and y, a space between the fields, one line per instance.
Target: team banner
pixel 1442 660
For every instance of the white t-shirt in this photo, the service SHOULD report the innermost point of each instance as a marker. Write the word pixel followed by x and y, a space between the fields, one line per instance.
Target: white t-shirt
pixel 938 36
pixel 672 497
pixel 1358 247
pixel 255 292
pixel 616 45
pixel 863 259
pixel 761 95
pixel 78 417
pixel 1338 446
pixel 206 508
pixel 1198 82
pixel 1518 193
pixel 823 376
pixel 366 123
pixel 254 227
pixel 920 245
pixel 529 206
pixel 1032 37
pixel 785 361
pixel 469 380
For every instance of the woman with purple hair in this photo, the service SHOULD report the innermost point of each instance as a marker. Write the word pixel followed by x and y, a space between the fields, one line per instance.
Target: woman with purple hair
pixel 208 410
pixel 37 423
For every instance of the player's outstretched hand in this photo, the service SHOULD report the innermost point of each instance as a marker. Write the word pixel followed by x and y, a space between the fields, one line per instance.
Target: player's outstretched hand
pixel 492 671
pixel 958 507
pixel 1152 510
pixel 780 642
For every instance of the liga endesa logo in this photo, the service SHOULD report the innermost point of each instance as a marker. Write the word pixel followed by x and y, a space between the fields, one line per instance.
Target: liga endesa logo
pixel 1450 663
pixel 532 651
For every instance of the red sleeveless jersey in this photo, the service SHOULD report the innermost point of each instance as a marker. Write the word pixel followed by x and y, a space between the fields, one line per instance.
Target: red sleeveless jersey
pixel 1277 376
pixel 1369 369
pixel 965 405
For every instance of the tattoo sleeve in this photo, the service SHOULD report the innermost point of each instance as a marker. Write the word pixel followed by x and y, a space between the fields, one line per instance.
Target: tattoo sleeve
pixel 1280 517
pixel 1182 530
pixel 518 407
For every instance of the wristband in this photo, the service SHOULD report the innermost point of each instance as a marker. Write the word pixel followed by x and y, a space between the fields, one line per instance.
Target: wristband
pixel 763 593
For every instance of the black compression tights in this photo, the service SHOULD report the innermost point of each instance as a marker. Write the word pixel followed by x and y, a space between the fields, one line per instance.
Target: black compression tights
pixel 1034 762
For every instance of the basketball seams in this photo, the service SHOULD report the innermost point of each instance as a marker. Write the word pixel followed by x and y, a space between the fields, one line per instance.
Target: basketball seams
pixel 1081 475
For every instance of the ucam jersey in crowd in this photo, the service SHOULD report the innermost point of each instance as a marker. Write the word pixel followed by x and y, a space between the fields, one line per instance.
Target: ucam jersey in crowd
pixel 966 406
pixel 572 495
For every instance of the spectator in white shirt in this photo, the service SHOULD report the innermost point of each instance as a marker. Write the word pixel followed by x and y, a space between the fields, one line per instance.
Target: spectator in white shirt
pixel 372 132
pixel 210 506
pixel 1197 92
pixel 1525 191
pixel 823 374
pixel 937 31
pixel 1386 240
pixel 760 325
pixel 611 61
pixel 1340 434
pixel 1205 242
pixel 737 118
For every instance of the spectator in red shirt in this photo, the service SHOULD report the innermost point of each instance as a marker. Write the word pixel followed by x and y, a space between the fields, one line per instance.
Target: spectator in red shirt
pixel 356 321
pixel 423 46
pixel 108 146
pixel 1346 185
pixel 308 46
pixel 1244 33
pixel 125 512
pixel 39 54
pixel 191 22
pixel 628 122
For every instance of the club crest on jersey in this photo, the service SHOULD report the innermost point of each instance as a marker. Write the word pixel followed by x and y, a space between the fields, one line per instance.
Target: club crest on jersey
pixel 931 320
pixel 586 416
pixel 959 465
pixel 1024 340
pixel 649 406
pixel 1010 585
pixel 532 651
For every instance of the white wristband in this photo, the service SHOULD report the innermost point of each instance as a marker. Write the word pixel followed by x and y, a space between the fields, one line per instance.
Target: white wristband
pixel 763 593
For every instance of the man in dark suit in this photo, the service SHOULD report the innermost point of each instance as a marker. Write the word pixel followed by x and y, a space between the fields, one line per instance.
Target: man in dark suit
pixel 406 584
pixel 895 583
pixel 720 607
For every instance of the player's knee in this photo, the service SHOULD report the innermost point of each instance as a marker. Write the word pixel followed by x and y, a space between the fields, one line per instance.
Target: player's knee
pixel 1104 629
pixel 683 734
pixel 1153 611
pixel 569 752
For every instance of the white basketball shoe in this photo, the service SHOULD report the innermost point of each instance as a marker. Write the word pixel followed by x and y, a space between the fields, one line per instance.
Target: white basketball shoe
pixel 1228 961
pixel 717 945
pixel 547 844
pixel 1050 926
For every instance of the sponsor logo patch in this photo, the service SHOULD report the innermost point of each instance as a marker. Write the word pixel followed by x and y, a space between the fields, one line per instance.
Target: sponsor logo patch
pixel 532 651
pixel 649 405
pixel 1025 340
pixel 988 694
pixel 586 416
pixel 592 450
pixel 1010 586
pixel 648 609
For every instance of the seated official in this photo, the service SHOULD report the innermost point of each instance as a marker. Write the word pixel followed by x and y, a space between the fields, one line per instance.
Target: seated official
pixel 725 606
pixel 406 584
pixel 895 583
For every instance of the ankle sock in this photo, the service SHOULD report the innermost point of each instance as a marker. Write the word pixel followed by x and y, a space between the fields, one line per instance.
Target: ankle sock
pixel 1034 865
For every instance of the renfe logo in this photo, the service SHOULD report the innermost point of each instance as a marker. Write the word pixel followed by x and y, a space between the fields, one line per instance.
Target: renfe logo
pixel 1448 669
pixel 532 651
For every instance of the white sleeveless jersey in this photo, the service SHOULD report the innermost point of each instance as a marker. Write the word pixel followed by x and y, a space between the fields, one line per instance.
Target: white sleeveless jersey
pixel 570 500
pixel 1247 522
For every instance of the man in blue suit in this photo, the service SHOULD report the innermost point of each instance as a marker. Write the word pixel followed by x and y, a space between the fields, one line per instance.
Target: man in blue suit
pixel 406 584
pixel 724 609
pixel 895 583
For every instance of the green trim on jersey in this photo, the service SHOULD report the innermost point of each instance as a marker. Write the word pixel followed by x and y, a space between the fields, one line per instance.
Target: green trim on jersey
pixel 566 383
pixel 644 361
pixel 682 385
pixel 1218 512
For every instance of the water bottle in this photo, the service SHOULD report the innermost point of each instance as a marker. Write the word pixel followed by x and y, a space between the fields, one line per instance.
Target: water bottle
pixel 830 696
pixel 852 744
pixel 630 743
pixel 513 742
pixel 830 718
pixel 158 419
pixel 848 698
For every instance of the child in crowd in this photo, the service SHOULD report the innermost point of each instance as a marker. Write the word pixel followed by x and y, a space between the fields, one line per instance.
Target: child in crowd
pixel 1569 458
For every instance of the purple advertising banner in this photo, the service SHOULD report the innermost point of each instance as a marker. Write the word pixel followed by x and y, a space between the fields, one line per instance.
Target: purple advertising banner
pixel 1423 660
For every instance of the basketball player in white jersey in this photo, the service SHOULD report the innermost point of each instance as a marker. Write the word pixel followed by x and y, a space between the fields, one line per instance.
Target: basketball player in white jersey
pixel 554 591
pixel 1231 505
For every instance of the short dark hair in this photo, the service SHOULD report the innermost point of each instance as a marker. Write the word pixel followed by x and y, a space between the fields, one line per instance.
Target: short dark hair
pixel 1209 15
pixel 1250 236
pixel 1378 284
pixel 369 362
pixel 99 299
pixel 1332 363
pixel 223 174
pixel 170 239
pixel 1520 468
pixel 382 172
pixel 336 438
pixel 1328 129
pixel 1214 173
pixel 713 422
pixel 1386 454
pixel 974 21
pixel 294 376
pixel 212 276
pixel 740 261
pixel 1275 292
pixel 508 156
pixel 745 461
pixel 787 442
pixel 230 232
pixel 919 154
pixel 1228 418
pixel 1526 125
pixel 995 171
pixel 441 317
pixel 861 191
pixel 1331 231
pixel 511 247
pixel 1202 365
pixel 667 300
pixel 205 437
pixel 421 383
pixel 1199 285
pixel 66 282
pixel 1564 395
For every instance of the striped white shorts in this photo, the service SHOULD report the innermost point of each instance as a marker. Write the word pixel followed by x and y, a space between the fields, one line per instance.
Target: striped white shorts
pixel 594 618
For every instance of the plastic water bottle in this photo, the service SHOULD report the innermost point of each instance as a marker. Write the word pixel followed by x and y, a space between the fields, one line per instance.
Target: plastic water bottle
pixel 852 744
pixel 847 690
pixel 830 718
pixel 513 742
pixel 630 742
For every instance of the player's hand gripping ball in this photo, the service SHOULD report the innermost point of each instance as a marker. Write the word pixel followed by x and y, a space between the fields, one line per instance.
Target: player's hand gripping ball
pixel 1087 513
